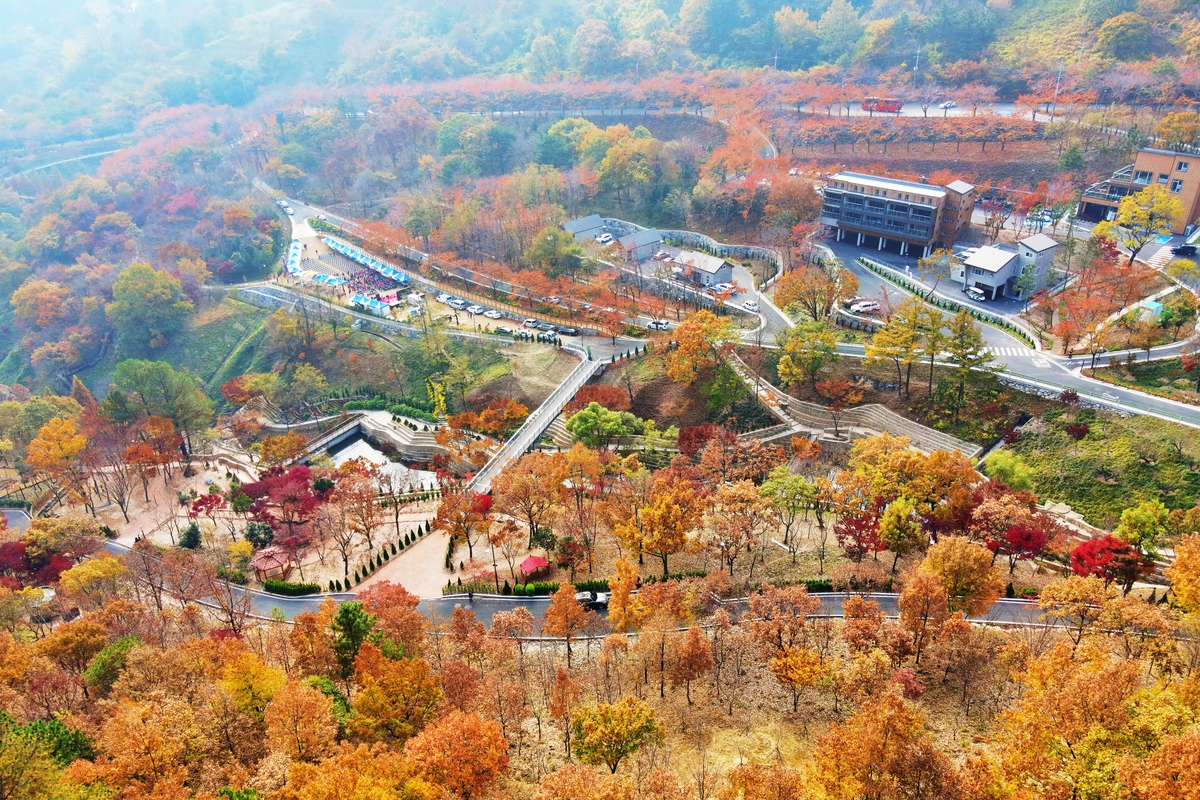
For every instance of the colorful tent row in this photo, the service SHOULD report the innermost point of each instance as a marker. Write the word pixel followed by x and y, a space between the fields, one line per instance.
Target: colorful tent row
pixel 293 264
pixel 354 254
pixel 370 304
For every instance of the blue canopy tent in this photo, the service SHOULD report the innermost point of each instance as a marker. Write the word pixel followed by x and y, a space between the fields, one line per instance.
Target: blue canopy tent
pixel 354 254
pixel 370 304
pixel 328 280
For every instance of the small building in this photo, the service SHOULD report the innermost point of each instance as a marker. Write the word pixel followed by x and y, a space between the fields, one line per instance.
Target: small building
pixel 996 270
pixel 641 245
pixel 271 562
pixel 585 228
pixel 533 566
pixel 703 269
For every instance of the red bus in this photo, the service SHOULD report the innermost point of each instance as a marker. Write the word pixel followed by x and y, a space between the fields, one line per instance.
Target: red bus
pixel 882 104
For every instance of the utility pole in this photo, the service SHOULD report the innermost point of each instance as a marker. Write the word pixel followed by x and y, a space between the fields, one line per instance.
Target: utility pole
pixel 777 61
pixel 917 66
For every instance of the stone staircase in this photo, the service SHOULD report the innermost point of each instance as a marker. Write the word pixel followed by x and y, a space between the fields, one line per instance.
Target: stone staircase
pixel 812 420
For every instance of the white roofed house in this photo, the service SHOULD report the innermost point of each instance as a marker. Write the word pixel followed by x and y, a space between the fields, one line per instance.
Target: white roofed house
pixel 996 270
pixel 641 245
pixel 585 228
pixel 703 269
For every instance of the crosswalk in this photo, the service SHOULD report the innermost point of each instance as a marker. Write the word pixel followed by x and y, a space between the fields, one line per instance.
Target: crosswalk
pixel 1011 351
pixel 1161 258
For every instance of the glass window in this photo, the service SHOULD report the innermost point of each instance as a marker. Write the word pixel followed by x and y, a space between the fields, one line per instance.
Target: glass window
pixel 1176 186
pixel 1142 176
pixel 1162 177
pixel 1182 166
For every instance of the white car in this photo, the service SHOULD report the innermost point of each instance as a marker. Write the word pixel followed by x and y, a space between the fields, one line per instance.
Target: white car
pixel 721 287
pixel 948 104
pixel 657 325
pixel 444 299
pixel 864 306
pixel 475 309
pixel 529 323
pixel 604 238
pixel 751 306
pixel 289 212
pixel 793 172
pixel 322 217
pixel 662 255
pixel 492 313
pixel 456 304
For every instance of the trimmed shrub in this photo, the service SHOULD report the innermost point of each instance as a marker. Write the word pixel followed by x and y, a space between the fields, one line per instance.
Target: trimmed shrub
pixel 290 589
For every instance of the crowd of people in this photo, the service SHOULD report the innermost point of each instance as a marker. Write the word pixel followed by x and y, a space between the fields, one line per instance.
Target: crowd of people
pixel 365 281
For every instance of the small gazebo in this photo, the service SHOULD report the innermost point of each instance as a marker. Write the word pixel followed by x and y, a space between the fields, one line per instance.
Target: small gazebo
pixel 532 566
pixel 271 562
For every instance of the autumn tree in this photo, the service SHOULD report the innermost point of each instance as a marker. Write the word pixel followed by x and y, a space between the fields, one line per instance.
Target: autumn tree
pixel 966 349
pixel 735 522
pixel 461 752
pixel 797 669
pixel 529 489
pixel 699 340
pixel 1184 573
pixel 965 571
pixel 565 617
pixel 300 722
pixel 694 660
pixel 924 606
pixel 1140 217
pixel 148 307
pixel 396 696
pixel 808 348
pixel 606 733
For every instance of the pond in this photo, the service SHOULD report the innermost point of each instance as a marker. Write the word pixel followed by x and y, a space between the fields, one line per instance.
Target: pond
pixel 359 447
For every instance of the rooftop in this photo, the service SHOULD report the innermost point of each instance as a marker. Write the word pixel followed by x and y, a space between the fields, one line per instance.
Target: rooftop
pixel 641 238
pixel 701 261
pixel 1039 242
pixel 990 259
pixel 590 222
pixel 962 187
pixel 890 184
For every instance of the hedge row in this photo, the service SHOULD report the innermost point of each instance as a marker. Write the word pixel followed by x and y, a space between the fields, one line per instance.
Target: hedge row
pixel 949 305
pixel 290 589
pixel 399 409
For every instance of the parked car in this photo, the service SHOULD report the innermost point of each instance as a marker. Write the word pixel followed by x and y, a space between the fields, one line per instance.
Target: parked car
pixel 976 294
pixel 289 212
pixel 504 329
pixel 529 323
pixel 549 337
pixel 322 217
pixel 948 104
pixel 457 304
pixel 864 306
pixel 592 598
pixel 568 331
pixel 793 172
pixel 662 255
pixel 658 325
pixel 751 306
pixel 604 238
pixel 720 287
pixel 554 301
pixel 492 313
pixel 1183 250
pixel 475 309
pixel 444 298
pixel 545 326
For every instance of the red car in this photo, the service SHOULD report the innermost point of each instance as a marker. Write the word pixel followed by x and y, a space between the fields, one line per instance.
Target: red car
pixel 882 104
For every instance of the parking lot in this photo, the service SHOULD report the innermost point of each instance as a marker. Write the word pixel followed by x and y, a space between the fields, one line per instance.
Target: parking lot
pixel 491 319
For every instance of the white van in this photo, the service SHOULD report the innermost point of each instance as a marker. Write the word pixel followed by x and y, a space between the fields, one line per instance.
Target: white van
pixel 976 294
pixel 415 299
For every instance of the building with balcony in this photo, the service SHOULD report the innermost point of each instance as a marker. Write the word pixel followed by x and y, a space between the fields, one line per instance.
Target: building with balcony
pixel 912 218
pixel 1177 172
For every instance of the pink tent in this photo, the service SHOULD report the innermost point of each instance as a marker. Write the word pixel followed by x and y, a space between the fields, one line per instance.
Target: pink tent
pixel 531 565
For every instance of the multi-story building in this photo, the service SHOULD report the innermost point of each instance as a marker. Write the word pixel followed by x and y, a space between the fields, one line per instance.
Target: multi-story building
pixel 1175 171
pixel 910 217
